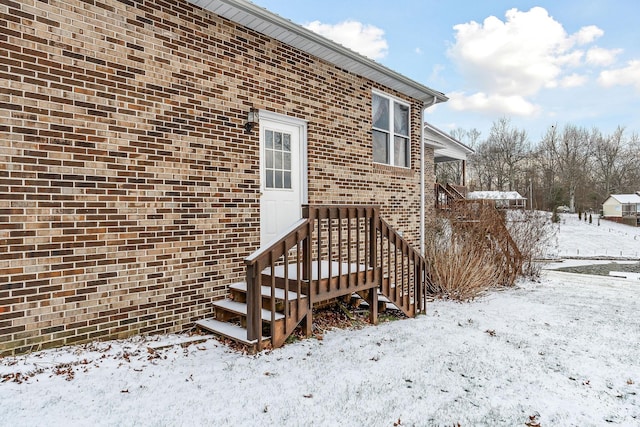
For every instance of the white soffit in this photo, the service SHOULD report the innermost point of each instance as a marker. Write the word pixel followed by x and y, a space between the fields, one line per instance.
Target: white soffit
pixel 261 20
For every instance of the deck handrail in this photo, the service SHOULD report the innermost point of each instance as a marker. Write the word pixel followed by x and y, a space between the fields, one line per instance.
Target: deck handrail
pixel 459 191
pixel 268 256
pixel 351 240
pixel 444 196
pixel 413 298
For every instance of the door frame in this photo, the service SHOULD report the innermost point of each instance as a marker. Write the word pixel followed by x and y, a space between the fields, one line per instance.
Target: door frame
pixel 302 127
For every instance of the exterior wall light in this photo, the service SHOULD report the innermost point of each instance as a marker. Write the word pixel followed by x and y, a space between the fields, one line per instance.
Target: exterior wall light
pixel 253 117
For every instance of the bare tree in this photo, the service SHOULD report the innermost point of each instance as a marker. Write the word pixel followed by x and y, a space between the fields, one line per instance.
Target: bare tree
pixel 572 151
pixel 569 165
pixel 500 159
pixel 451 172
pixel 548 166
pixel 609 162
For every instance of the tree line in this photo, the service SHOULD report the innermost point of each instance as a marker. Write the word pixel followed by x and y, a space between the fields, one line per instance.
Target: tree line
pixel 571 166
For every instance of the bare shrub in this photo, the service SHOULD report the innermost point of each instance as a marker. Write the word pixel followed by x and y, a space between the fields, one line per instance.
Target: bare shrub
pixel 460 266
pixel 532 232
pixel 459 270
pixel 474 247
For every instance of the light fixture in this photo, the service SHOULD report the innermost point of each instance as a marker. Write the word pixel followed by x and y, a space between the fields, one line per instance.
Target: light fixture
pixel 253 117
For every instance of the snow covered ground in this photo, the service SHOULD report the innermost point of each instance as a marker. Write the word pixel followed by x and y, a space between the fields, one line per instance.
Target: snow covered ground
pixel 609 239
pixel 561 351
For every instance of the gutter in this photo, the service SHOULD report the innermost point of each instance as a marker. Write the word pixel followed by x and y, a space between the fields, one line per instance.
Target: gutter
pixel 422 178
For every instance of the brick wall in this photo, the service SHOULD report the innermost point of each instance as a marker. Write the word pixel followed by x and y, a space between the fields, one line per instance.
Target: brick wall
pixel 128 188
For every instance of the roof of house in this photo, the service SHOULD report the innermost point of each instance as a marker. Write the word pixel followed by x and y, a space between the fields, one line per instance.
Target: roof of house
pixel 270 24
pixel 495 195
pixel 446 147
pixel 626 198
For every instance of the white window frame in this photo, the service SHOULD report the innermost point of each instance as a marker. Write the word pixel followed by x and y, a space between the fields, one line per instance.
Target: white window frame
pixel 391 131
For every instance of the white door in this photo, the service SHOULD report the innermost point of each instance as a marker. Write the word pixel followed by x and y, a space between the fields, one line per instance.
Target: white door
pixel 283 173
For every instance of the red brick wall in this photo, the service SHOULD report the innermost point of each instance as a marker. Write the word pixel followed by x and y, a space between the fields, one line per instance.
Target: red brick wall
pixel 128 188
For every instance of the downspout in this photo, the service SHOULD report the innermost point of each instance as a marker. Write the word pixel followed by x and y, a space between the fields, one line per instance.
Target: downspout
pixel 422 178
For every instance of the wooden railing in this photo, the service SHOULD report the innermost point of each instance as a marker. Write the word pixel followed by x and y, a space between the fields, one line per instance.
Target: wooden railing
pixel 279 252
pixel 460 191
pixel 334 251
pixel 404 271
pixel 448 194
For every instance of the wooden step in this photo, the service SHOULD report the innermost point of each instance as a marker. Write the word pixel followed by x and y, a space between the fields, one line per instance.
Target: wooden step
pixel 241 309
pixel 266 291
pixel 326 267
pixel 228 330
pixel 388 304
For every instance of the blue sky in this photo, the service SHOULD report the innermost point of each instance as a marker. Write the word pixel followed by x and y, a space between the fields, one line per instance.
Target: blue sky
pixel 537 63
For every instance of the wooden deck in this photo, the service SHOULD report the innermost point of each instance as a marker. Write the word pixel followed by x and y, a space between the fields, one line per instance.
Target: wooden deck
pixel 334 251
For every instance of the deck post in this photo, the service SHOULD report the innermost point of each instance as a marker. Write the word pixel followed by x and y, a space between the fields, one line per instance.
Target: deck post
pixel 418 268
pixel 373 262
pixel 254 303
pixel 372 300
pixel 373 246
pixel 307 265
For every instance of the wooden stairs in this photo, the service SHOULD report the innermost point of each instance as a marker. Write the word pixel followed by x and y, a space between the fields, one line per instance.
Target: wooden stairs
pixel 230 319
pixel 333 252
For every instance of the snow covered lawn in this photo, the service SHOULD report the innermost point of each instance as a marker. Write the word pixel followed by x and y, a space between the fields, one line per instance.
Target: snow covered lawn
pixel 562 351
pixel 581 239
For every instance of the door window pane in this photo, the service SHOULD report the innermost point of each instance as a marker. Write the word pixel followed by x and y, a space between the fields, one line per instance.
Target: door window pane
pixel 286 161
pixel 277 141
pixel 268 137
pixel 277 157
pixel 268 157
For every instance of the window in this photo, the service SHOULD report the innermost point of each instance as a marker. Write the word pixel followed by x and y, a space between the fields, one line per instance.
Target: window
pixel 390 131
pixel 278 160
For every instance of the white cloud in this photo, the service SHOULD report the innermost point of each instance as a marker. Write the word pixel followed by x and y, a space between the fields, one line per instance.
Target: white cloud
pixel 573 80
pixel 587 35
pixel 508 61
pixel 419 51
pixel 602 57
pixel 492 104
pixel 436 73
pixel 627 76
pixel 367 40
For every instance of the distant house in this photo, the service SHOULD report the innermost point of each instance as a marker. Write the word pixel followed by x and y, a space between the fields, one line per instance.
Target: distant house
pixel 448 149
pixel 622 208
pixel 503 199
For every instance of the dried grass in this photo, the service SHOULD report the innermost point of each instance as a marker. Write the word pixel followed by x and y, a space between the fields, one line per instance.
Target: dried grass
pixel 460 270
pixel 469 257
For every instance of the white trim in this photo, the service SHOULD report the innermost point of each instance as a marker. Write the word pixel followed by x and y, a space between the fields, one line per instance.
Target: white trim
pixel 423 193
pixel 302 126
pixel 390 132
pixel 388 95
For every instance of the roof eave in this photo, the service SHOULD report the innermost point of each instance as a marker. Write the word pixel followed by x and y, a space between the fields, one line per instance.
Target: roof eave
pixel 436 131
pixel 284 30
